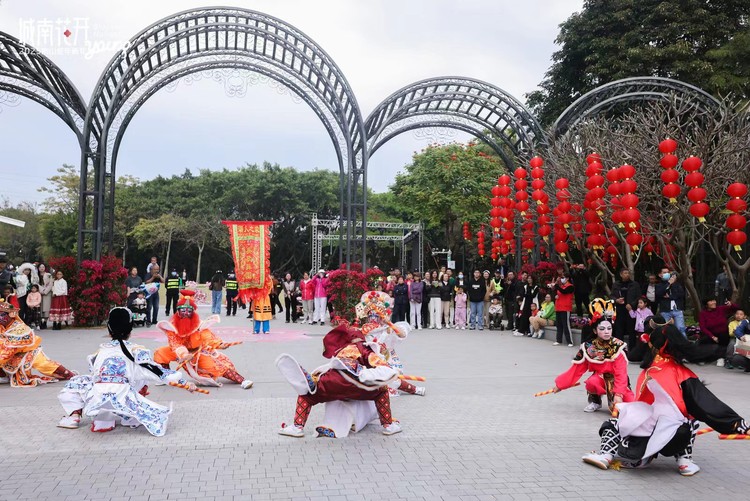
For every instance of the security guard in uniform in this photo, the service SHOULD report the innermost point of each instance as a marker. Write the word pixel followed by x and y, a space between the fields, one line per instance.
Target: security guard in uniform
pixel 232 291
pixel 173 286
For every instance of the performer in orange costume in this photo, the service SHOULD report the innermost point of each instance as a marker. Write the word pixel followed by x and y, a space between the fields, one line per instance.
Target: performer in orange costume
pixel 194 346
pixel 21 351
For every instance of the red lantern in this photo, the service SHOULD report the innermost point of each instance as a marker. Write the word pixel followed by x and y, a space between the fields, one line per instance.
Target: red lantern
pixel 697 195
pixel 671 191
pixel 737 205
pixel 504 180
pixel 737 190
pixel 669 161
pixel 593 157
pixel 699 210
pixel 694 179
pixel 496 191
pixel 520 173
pixel 562 184
pixel 736 239
pixel 668 146
pixel 670 176
pixel 736 222
pixel 691 164
pixel 536 162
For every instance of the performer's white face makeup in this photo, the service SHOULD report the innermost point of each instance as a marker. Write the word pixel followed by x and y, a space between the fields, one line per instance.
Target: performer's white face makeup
pixel 604 330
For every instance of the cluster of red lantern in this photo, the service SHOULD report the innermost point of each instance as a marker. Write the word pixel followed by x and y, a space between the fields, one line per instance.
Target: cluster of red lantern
pixel 544 228
pixel 694 179
pixel 630 215
pixel 562 216
pixel 593 203
pixel 669 176
pixel 466 231
pixel 736 222
pixel 480 242
pixel 507 243
pixel 522 207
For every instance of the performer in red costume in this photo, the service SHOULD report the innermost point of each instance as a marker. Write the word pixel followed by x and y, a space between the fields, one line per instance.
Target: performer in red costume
pixel 670 400
pixel 603 355
pixel 194 347
pixel 354 383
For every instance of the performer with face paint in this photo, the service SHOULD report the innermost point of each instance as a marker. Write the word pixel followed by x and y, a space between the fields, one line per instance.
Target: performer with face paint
pixel 605 356
pixel 669 403
pixel 195 347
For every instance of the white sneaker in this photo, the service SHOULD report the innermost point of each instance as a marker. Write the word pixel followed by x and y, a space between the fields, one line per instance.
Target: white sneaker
pixel 392 428
pixel 592 407
pixel 4 380
pixel 246 384
pixel 517 334
pixel 570 345
pixel 601 461
pixel 421 390
pixel 534 335
pixel 292 431
pixel 70 422
pixel 555 344
pixel 687 468
pixel 720 362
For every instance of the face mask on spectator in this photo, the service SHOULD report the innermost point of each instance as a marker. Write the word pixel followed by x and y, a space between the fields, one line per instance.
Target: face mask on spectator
pixel 665 276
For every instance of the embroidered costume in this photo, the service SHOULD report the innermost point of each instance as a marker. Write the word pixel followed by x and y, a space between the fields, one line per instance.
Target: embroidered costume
pixel 116 385
pixel 354 385
pixel 603 355
pixel 664 418
pixel 195 347
pixel 21 352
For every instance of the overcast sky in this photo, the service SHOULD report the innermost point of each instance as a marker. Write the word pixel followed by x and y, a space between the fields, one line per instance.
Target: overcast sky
pixel 380 45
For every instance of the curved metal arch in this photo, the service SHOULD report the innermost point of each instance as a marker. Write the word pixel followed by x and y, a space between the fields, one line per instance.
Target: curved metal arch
pixel 476 132
pixel 603 98
pixel 288 54
pixel 470 99
pixel 27 72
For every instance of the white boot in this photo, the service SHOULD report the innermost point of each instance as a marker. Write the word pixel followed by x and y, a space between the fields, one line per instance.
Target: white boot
pixel 292 431
pixel 246 384
pixel 392 428
pixel 687 468
pixel 421 390
pixel 592 407
pixel 70 422
pixel 601 461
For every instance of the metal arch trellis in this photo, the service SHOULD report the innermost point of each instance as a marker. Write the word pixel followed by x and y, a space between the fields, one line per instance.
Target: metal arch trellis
pixel 457 102
pixel 605 97
pixel 204 40
pixel 26 72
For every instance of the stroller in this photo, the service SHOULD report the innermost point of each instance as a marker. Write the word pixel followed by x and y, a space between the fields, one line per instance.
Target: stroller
pixel 139 310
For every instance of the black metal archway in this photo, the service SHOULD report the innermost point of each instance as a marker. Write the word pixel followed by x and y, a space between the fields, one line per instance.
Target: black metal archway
pixel 627 90
pixel 479 108
pixel 26 72
pixel 202 40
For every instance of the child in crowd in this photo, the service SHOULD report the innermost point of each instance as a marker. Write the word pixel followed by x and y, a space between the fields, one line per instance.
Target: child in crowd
pixel 139 309
pixel 741 357
pixel 10 296
pixel 60 311
pixel 33 307
pixel 460 309
pixel 495 313
pixel 737 319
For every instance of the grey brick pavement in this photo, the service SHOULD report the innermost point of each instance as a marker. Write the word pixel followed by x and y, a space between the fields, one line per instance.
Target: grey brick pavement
pixel 478 434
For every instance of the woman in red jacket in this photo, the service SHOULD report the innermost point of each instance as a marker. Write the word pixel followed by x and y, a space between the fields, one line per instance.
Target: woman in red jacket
pixel 563 306
pixel 307 288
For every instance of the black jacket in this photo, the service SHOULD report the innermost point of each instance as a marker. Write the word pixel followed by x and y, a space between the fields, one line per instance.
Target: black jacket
pixel 666 293
pixel 401 294
pixel 581 281
pixel 630 291
pixel 476 289
pixel 446 291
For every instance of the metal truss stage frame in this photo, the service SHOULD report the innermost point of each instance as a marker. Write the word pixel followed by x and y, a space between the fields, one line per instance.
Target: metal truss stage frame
pixel 329 230
pixel 219 42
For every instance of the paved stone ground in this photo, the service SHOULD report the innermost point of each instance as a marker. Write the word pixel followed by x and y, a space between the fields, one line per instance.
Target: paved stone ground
pixel 477 434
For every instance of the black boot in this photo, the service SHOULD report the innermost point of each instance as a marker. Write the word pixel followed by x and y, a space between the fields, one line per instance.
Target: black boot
pixel 43 325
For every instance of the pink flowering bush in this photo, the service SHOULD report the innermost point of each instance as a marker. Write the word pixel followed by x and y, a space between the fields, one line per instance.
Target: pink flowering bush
pixel 346 288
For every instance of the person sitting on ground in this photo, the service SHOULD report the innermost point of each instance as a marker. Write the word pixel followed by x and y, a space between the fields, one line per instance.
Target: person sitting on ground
pixel 741 356
pixel 735 322
pixel 544 317
pixel 714 329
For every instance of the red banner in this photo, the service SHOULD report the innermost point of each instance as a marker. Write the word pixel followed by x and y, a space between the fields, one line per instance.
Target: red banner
pixel 251 250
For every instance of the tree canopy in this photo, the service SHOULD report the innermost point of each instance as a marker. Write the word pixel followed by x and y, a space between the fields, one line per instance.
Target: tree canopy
pixel 702 42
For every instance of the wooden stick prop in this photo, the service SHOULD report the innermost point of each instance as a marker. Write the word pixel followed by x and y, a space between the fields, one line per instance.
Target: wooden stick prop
pixel 734 436
pixel 703 431
pixel 224 346
pixel 412 378
pixel 185 387
pixel 542 393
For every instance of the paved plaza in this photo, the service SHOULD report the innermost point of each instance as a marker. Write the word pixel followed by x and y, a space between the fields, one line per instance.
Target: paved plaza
pixel 477 434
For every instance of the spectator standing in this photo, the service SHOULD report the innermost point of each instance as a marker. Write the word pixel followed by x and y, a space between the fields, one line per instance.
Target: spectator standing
pixel 649 290
pixel 446 294
pixel 34 307
pixel 641 314
pixel 487 277
pixel 233 290
pixel 563 306
pixel 529 296
pixel 544 317
pixel 6 276
pixel 581 288
pixel 60 311
pixel 216 286
pixel 184 276
pixel 153 262
pixel 477 288
pixel 461 299
pixel 25 277
pixel 400 300
pixel 671 297
pixel 713 322
pixel 307 290
pixel 433 293
pixel 625 293
pixel 152 301
pixel 723 287
pixel 133 283
pixel 45 289
pixel 416 296
pixel 320 288
pixel 290 286
pixel 172 290
pixel 274 296
pixel 509 300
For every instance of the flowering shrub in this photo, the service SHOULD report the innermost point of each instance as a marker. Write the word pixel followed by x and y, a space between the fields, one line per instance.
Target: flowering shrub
pixel 375 276
pixel 94 287
pixel 346 288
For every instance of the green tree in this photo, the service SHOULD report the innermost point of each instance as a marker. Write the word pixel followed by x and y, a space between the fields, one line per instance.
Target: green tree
pixel 21 243
pixel 161 232
pixel 702 42
pixel 444 186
